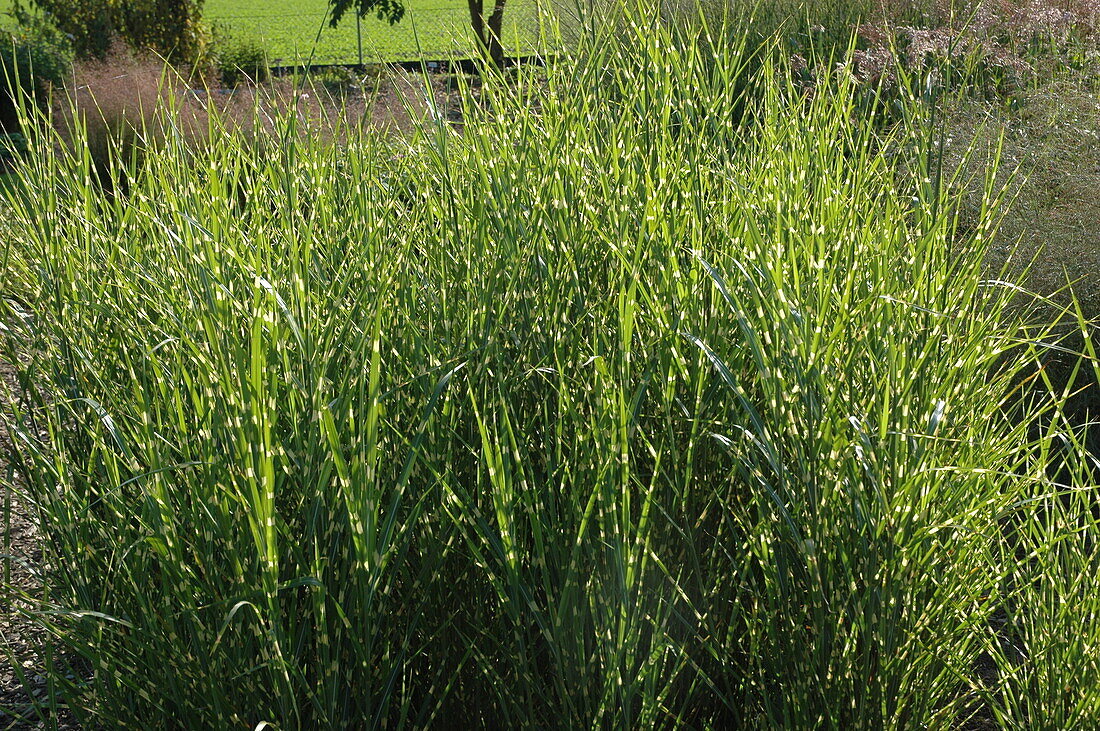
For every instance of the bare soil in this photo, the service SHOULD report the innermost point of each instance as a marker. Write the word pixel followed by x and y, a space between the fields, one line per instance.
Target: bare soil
pixel 21 642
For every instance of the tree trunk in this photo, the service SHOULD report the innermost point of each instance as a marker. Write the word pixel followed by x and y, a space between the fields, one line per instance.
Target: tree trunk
pixel 496 43
pixel 477 21
pixel 487 30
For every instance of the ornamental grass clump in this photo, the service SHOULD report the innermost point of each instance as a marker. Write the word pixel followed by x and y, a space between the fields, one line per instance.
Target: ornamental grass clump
pixel 603 411
pixel 998 47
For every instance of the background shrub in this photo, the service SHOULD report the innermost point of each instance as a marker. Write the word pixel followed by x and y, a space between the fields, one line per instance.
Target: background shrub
pixel 169 28
pixel 34 57
pixel 239 59
pixel 12 146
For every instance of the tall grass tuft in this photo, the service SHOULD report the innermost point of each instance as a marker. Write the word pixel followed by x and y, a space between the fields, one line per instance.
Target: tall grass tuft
pixel 604 412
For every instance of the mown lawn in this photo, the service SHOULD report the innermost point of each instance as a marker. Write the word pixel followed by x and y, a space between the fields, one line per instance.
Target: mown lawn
pixel 431 28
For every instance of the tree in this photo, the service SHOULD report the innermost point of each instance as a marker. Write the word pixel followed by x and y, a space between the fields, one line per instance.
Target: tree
pixel 486 28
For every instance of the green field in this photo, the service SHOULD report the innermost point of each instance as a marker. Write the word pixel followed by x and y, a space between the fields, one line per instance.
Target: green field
pixel 297 29
pixel 430 29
